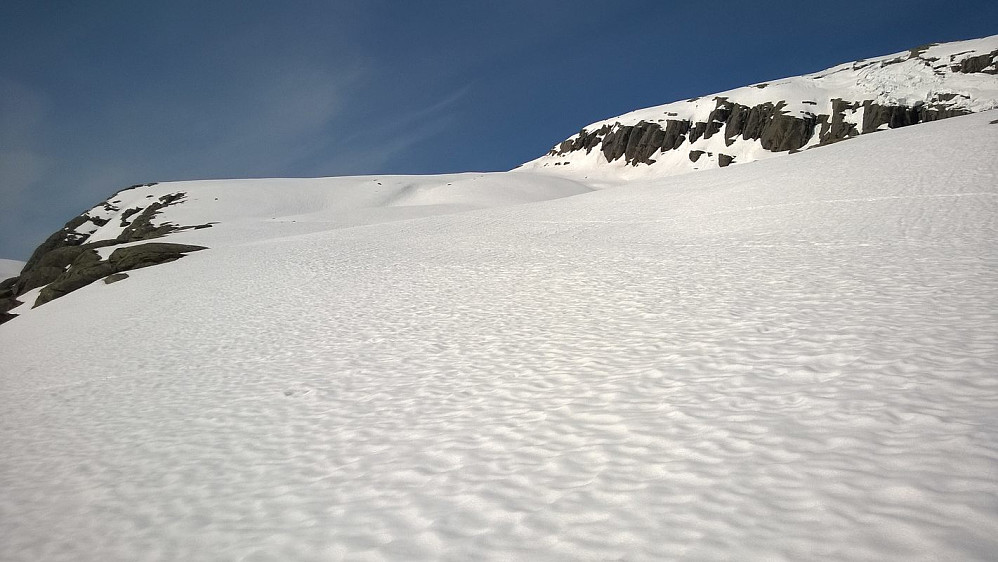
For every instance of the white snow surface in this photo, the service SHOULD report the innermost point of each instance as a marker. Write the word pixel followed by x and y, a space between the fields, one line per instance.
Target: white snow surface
pixel 905 78
pixel 790 360
pixel 10 268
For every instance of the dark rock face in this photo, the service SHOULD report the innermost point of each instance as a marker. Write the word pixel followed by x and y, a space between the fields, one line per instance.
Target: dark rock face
pixel 875 115
pixel 784 133
pixel 7 299
pixel 88 267
pixel 766 123
pixel 723 160
pixel 145 255
pixel 834 127
pixel 51 265
pixel 85 269
pixel 635 143
pixel 128 213
pixel 115 277
pixel 142 228
pixel 7 287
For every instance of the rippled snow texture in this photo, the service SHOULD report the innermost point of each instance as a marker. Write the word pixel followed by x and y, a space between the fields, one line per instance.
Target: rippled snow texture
pixel 791 360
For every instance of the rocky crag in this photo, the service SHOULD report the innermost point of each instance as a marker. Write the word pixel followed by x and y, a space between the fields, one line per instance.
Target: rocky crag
pixel 70 258
pixel 925 83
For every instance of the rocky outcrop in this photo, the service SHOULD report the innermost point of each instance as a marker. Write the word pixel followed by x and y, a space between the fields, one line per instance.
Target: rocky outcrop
pixel 8 300
pixel 767 123
pixel 637 144
pixel 926 83
pixel 88 267
pixel 894 116
pixel 142 228
pixel 987 63
pixel 85 269
pixel 834 127
pixel 67 260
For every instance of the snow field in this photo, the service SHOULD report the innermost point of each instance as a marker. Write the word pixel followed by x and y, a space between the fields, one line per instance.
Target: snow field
pixel 790 360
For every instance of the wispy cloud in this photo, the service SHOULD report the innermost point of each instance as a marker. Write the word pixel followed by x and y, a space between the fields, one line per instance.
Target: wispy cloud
pixel 380 141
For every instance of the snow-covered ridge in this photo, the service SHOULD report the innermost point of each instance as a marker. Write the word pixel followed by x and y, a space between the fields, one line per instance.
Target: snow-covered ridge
pixel 116 235
pixel 925 83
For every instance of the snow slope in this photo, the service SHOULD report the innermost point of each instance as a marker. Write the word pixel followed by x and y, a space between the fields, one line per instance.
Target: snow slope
pixel 281 207
pixel 793 359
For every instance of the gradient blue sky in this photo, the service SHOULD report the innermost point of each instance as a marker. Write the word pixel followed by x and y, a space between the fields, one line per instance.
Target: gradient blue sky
pixel 98 95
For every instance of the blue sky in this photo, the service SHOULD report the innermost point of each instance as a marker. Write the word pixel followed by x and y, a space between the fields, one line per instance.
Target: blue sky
pixel 98 95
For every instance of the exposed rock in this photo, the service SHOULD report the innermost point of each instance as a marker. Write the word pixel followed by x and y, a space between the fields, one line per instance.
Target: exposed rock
pixel 875 115
pixel 784 132
pixel 766 122
pixel 585 140
pixel 9 303
pixel 115 277
pixel 128 213
pixel 88 267
pixel 7 287
pixel 635 143
pixel 142 227
pixel 50 266
pixel 7 300
pixel 84 270
pixel 987 63
pixel 834 127
pixel 723 160
pixel 695 155
pixel 917 51
pixel 749 122
pixel 152 253
pixel 65 261
pixel 66 236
